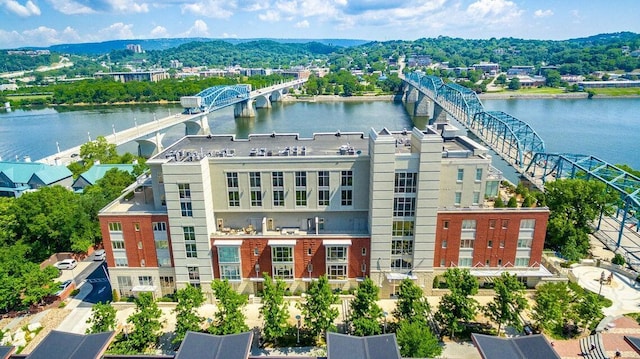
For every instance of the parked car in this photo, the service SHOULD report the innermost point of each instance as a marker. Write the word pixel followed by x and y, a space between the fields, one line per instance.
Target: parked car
pixel 99 255
pixel 66 264
pixel 63 286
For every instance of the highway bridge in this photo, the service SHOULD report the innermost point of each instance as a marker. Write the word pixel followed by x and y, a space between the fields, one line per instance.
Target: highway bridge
pixel 149 135
pixel 518 144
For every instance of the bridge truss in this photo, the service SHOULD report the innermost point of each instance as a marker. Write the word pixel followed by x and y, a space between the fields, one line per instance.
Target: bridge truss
pixel 217 97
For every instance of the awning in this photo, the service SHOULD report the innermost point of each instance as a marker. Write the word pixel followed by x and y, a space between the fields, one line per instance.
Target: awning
pixel 336 242
pixel 144 288
pixel 400 276
pixel 227 242
pixel 282 242
pixel 256 279
pixel 540 271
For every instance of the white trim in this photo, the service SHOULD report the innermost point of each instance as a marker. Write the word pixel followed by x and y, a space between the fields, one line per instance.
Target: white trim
pixel 336 242
pixel 144 288
pixel 227 242
pixel 254 279
pixel 282 242
pixel 400 276
pixel 518 272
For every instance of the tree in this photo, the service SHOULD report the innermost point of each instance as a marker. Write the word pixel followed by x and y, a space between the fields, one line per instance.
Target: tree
pixel 146 327
pixel 365 312
pixel 103 318
pixel 499 203
pixel 514 84
pixel 551 308
pixel 274 310
pixel 189 298
pixel 457 305
pixel 316 309
pixel 229 318
pixel 416 340
pixel 513 202
pixel 411 304
pixel 501 79
pixel 508 302
pixel 573 205
pixel 99 150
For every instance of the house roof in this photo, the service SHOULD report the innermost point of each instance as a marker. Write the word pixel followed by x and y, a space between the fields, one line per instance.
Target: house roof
pixel 62 345
pixel 96 172
pixel 340 346
pixel 52 174
pixel 525 347
pixel 21 172
pixel 206 346
pixel 5 352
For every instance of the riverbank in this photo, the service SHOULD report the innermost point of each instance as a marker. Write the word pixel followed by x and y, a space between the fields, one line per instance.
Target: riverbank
pixel 338 98
pixel 505 95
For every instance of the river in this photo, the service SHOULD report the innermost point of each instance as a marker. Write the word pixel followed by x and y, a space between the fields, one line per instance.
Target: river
pixel 605 128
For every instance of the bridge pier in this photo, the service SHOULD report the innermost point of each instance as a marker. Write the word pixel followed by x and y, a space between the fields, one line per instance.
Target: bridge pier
pixel 421 107
pixel 244 109
pixel 150 146
pixel 411 94
pixel 439 114
pixel 263 102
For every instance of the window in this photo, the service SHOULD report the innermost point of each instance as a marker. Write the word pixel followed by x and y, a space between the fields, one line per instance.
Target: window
pixel 256 198
pixel 445 224
pixel 502 243
pixel 524 242
pixel 323 197
pixel 167 285
pixel 145 280
pixel 162 244
pixel 159 226
pixel 185 209
pixel 522 262
pixel 139 244
pixel 402 229
pixel 229 259
pixel 402 247
pixel 466 243
pixel 184 190
pixel 476 197
pixel 405 182
pixel 254 180
pixel 115 227
pixel 444 243
pixel 256 252
pixel 458 198
pixel 282 261
pixel 278 198
pixel 194 273
pixel 277 179
pixel 121 262
pixel 336 254
pixel 232 180
pixel 323 179
pixel 404 206
pixel 301 198
pixel 337 272
pixel 117 244
pixel 190 242
pixel 500 262
pixel 492 224
pixel 468 224
pixel 441 262
pixel 346 178
pixel 301 179
pixel 465 262
pixel 347 197
pixel 337 262
pixel 505 223
pixel 364 252
pixel 125 285
pixel 309 251
pixel 478 174
pixel 460 174
pixel 489 244
pixel 136 227
pixel 401 264
pixel 234 198
pixel 527 224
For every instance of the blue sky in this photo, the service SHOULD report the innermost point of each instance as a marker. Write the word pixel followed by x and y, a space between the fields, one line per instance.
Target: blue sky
pixel 48 22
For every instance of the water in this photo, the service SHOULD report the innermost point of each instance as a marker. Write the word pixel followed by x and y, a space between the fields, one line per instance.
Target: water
pixel 600 127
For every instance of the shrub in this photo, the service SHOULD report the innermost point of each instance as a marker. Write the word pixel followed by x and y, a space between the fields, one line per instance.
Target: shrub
pixel 513 202
pixel 499 203
pixel 618 259
pixel 75 292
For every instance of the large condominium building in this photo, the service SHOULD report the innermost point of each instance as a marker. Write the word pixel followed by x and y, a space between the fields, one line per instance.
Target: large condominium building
pixel 387 205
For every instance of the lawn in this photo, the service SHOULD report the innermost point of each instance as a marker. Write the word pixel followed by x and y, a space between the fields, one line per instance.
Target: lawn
pixel 627 91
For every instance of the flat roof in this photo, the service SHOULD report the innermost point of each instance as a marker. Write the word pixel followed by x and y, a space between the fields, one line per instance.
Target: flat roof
pixel 72 346
pixel 526 347
pixel 206 346
pixel 341 346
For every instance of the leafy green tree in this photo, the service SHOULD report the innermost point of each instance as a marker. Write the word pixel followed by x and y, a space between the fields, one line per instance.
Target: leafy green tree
pixel 37 283
pixel 8 221
pixel 513 202
pixel 528 201
pixel 411 304
pixel 457 305
pixel 189 298
pixel 316 309
pixel 588 309
pixel 146 328
pixel 508 302
pixel 501 79
pixel 229 319
pixel 103 318
pixel 416 340
pixel 514 84
pixel 274 310
pixel 499 203
pixel 99 150
pixel 553 78
pixel 552 306
pixel 365 312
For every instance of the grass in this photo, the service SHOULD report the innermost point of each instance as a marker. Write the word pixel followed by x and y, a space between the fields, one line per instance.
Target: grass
pixel 627 91
pixel 28 97
pixel 541 90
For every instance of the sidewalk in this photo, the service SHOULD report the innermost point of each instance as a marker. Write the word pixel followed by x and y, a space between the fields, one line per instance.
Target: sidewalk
pixel 76 321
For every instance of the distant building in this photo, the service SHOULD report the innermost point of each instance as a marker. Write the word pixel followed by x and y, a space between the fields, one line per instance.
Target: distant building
pixel 175 64
pixel 255 72
pixel 608 84
pixel 8 87
pixel 531 81
pixel 487 67
pixel 418 60
pixel 521 70
pixel 136 48
pixel 152 75
pixel 19 177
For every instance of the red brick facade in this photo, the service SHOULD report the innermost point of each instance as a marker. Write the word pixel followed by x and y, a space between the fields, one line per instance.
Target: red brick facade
pixel 496 245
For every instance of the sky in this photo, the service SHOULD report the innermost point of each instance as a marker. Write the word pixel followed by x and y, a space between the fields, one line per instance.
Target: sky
pixel 49 22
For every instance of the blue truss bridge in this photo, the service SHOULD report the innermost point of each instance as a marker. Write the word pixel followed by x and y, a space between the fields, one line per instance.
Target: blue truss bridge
pixel 518 144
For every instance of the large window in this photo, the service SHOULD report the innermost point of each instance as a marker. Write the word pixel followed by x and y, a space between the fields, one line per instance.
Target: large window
pixel 405 182
pixel 301 179
pixel 186 210
pixel 184 189
pixel 404 206
pixel 347 197
pixel 277 179
pixel 256 198
pixel 401 264
pixel 337 271
pixel 159 226
pixel 234 198
pixel 282 261
pixel 336 260
pixel 256 189
pixel 465 262
pixel 323 188
pixel 278 198
pixel 402 247
pixel 346 179
pixel 145 280
pixel 194 273
pixel 522 262
pixel 301 198
pixel 190 242
pixel 115 227
pixel 229 260
pixel 117 244
pixel 323 197
pixel 460 175
pixel 301 188
pixel 346 192
pixel 232 188
pixel 254 180
pixel 125 285
pixel 323 179
pixel 402 229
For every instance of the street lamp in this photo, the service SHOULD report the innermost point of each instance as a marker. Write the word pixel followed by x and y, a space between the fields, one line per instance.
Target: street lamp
pixel 299 324
pixel 602 275
pixel 384 328
pixel 257 268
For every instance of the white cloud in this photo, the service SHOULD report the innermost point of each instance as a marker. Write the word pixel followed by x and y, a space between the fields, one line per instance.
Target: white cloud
pixel 42 35
pixel 302 24
pixel 28 9
pixel 270 16
pixel 543 13
pixel 199 28
pixel 117 30
pixel 229 36
pixel 220 9
pixel 159 31
pixel 70 7
pixel 491 12
pixel 127 6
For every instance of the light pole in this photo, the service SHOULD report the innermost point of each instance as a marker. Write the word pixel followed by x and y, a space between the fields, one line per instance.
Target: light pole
pixel 602 275
pixel 113 129
pixel 89 135
pixel 298 319
pixel 384 328
pixel 257 268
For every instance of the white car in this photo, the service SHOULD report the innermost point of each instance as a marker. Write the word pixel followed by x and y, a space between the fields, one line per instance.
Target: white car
pixel 66 264
pixel 99 255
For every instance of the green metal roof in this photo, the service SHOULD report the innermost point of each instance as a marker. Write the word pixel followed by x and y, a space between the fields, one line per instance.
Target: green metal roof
pixel 96 172
pixel 21 172
pixel 52 174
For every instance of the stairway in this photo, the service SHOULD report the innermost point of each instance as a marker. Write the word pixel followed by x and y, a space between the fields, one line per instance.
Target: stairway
pixel 587 342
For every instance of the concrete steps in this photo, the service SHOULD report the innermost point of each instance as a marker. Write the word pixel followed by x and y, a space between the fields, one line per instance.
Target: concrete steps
pixel 594 341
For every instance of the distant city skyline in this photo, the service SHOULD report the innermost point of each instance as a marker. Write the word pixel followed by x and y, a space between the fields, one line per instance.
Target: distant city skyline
pixel 48 22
